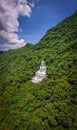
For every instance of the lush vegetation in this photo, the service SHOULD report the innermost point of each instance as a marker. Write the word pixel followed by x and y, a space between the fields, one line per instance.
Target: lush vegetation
pixel 52 103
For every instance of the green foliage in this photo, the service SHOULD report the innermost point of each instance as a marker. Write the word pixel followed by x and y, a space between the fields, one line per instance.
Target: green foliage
pixel 52 103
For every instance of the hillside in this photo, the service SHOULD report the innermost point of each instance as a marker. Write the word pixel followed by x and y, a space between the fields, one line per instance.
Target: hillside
pixel 52 103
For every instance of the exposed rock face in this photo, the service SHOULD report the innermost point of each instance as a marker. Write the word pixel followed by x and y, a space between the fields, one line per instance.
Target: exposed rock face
pixel 40 74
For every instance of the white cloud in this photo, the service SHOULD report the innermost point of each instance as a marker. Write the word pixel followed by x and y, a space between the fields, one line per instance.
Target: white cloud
pixel 15 45
pixel 32 4
pixel 9 13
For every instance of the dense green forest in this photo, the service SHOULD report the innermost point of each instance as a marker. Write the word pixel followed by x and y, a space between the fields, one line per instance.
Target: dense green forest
pixel 52 103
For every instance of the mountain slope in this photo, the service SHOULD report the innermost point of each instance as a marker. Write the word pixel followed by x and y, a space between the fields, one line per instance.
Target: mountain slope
pixel 52 103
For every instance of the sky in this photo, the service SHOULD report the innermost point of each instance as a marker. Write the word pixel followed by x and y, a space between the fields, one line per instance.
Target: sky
pixel 26 21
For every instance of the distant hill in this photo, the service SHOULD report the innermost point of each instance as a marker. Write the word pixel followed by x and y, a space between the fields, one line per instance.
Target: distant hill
pixel 1 52
pixel 52 103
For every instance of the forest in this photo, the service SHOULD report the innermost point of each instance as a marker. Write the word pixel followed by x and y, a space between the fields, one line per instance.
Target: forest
pixel 52 103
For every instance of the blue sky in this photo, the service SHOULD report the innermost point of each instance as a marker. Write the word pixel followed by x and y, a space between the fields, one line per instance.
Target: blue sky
pixel 26 21
pixel 45 14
